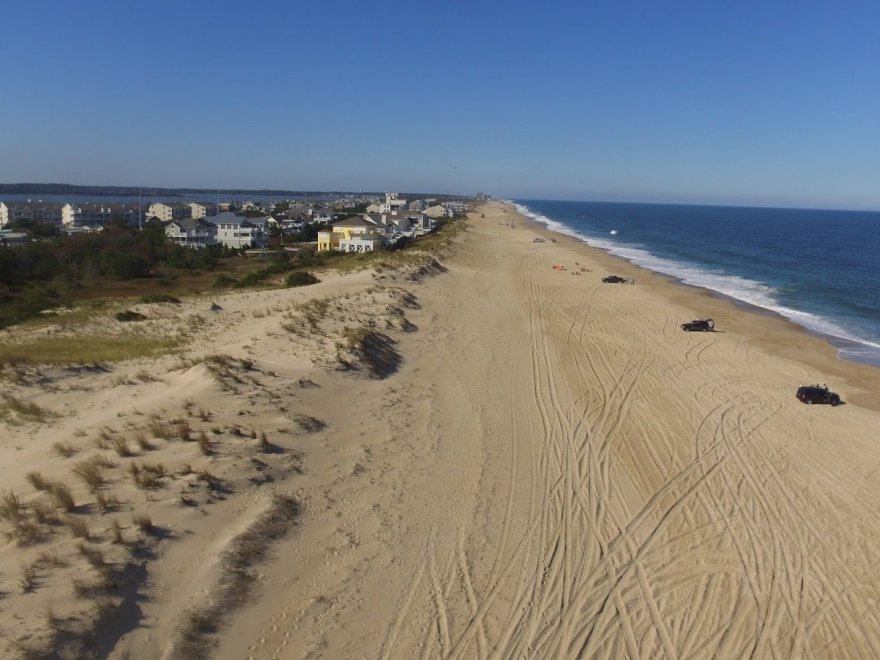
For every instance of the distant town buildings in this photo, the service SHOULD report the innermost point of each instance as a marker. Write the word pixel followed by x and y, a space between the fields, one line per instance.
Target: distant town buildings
pixel 196 225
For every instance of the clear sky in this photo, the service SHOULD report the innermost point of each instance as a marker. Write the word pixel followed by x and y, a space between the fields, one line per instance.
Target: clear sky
pixel 766 103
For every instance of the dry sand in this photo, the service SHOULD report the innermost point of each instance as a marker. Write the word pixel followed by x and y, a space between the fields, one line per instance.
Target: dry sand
pixel 549 467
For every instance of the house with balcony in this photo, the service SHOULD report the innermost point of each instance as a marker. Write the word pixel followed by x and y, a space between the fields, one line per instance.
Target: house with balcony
pixel 393 204
pixel 191 232
pixel 236 231
pixel 98 215
pixel 416 224
pixel 456 206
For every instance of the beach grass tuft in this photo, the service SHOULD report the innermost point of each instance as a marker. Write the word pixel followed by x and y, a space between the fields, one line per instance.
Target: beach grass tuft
pixel 120 446
pixel 183 430
pixel 106 501
pixel 15 411
pixel 144 523
pixel 205 445
pixel 43 510
pixel 92 555
pixel 64 449
pixel 38 481
pixel 11 507
pixel 62 496
pixel 79 528
pixel 158 428
pixel 89 474
pixel 28 578
pixel 116 529
pixel 142 442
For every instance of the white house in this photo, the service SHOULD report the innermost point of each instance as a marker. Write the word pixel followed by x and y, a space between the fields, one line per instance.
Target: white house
pixel 392 204
pixel 191 232
pixel 236 231
pixel 456 206
pixel 382 222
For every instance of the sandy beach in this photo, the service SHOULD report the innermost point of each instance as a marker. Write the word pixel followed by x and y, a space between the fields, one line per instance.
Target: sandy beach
pixel 485 457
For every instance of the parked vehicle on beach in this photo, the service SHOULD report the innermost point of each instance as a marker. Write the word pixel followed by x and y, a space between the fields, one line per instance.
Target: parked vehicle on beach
pixel 699 325
pixel 810 394
pixel 615 279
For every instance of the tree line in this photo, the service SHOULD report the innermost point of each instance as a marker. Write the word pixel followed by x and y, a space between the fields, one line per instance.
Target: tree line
pixel 120 253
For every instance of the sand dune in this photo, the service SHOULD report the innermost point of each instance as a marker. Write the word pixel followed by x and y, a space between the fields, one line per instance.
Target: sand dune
pixel 525 463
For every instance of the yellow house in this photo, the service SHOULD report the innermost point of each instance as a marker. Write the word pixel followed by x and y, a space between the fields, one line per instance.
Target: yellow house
pixel 351 235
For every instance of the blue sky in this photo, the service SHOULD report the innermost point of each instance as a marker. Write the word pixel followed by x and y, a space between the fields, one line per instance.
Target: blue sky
pixel 766 103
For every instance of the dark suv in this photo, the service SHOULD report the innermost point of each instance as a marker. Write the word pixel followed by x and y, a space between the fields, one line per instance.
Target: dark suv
pixel 615 279
pixel 817 394
pixel 699 325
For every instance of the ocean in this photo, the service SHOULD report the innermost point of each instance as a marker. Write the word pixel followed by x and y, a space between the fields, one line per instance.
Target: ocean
pixel 817 268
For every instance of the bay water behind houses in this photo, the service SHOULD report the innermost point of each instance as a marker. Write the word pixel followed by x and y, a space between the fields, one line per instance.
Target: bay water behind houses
pixel 817 268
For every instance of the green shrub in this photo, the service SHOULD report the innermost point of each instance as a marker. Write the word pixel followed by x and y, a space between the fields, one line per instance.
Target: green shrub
pixel 252 279
pixel 129 315
pixel 301 279
pixel 159 298
pixel 224 281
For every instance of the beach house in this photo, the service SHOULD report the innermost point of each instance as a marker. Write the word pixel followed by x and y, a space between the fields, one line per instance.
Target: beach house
pixel 437 211
pixel 457 206
pixel 236 231
pixel 354 234
pixel 393 204
pixel 191 232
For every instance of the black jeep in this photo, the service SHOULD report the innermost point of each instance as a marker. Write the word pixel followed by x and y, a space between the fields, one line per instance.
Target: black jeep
pixel 699 325
pixel 810 394
pixel 614 279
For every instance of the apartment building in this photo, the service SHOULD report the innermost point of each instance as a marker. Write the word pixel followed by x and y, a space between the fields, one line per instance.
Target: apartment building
pixel 38 213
